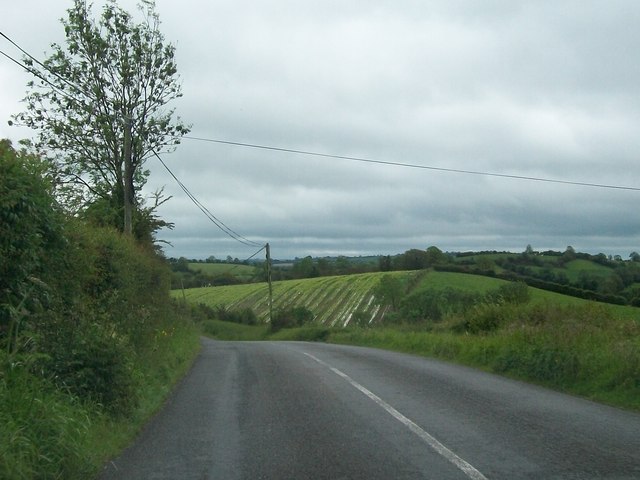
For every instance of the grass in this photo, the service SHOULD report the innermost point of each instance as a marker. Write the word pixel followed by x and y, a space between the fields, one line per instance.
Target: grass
pixel 561 342
pixel 42 429
pixel 162 368
pixel 333 300
pixel 575 269
pixel 234 331
pixel 586 351
pixel 242 272
pixel 48 433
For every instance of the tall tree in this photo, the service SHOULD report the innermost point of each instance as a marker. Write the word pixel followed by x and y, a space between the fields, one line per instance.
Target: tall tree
pixel 100 102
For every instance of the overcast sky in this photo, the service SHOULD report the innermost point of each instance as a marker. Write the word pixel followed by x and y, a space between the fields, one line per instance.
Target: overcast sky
pixel 545 89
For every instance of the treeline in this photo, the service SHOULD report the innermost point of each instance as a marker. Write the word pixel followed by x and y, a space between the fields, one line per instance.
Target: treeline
pixel 564 288
pixel 86 325
pixel 548 270
pixel 545 270
pixel 183 276
pixel 308 267
pixel 618 283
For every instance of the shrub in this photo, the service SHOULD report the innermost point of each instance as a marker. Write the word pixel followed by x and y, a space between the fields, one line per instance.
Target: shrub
pixel 308 333
pixel 360 318
pixel 512 292
pixel 291 317
pixel 30 224
pixel 85 319
pixel 482 318
pixel 43 431
pixel 92 363
pixel 433 305
pixel 200 312
pixel 245 316
pixel 545 363
pixel 389 290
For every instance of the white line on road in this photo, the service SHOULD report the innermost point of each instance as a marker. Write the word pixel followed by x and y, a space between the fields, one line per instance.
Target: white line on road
pixel 462 464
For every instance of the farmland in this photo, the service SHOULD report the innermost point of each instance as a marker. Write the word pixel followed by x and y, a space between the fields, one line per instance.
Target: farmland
pixel 240 271
pixel 333 300
pixel 337 300
pixel 584 347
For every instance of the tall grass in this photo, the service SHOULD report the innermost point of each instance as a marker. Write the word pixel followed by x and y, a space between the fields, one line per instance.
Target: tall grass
pixel 234 331
pixel 583 350
pixel 48 433
pixel 43 430
pixel 159 370
pixel 562 342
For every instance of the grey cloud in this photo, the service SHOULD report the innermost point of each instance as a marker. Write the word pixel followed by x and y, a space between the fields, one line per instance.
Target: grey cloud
pixel 541 89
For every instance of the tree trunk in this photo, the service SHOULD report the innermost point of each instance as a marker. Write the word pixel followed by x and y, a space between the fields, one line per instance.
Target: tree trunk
pixel 128 179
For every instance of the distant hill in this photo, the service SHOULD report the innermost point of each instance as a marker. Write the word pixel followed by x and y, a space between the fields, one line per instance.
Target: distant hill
pixel 343 300
pixel 594 277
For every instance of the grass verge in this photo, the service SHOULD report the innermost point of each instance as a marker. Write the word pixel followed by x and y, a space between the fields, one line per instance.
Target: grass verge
pixel 234 331
pixel 587 350
pixel 162 369
pixel 582 351
pixel 48 433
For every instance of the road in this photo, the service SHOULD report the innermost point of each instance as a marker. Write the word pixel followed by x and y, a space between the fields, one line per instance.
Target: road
pixel 293 410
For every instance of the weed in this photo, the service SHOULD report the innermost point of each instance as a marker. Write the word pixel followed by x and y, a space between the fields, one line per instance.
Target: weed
pixel 43 430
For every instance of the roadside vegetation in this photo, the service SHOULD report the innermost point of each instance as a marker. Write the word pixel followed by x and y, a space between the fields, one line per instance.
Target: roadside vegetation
pixel 90 340
pixel 563 342
pixel 609 279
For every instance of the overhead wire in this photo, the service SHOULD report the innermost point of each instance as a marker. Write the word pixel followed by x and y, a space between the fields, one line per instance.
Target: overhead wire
pixel 219 223
pixel 215 220
pixel 48 69
pixel 320 154
pixel 37 74
pixel 225 272
pixel 237 265
pixel 243 240
pixel 412 165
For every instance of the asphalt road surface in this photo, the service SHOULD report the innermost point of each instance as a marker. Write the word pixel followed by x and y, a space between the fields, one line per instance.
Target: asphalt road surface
pixel 289 410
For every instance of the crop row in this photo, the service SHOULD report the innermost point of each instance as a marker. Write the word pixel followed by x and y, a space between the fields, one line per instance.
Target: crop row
pixel 332 300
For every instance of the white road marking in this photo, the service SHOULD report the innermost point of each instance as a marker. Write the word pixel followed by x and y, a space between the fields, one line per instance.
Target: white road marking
pixel 462 464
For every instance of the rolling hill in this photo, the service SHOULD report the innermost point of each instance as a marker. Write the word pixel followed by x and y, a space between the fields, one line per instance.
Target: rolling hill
pixel 337 300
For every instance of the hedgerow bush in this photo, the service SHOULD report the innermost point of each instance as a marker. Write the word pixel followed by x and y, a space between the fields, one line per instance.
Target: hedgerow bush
pixel 30 226
pixel 92 363
pixel 291 317
pixel 43 430
pixel 86 326
pixel 434 304
pixel 245 316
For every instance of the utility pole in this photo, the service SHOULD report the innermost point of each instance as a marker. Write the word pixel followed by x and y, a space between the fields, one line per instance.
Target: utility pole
pixel 128 178
pixel 268 249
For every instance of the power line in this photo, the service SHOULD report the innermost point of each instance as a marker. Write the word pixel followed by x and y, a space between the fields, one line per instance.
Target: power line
pixel 413 165
pixel 231 233
pixel 48 69
pixel 216 221
pixel 238 265
pixel 310 153
pixel 37 74
pixel 219 223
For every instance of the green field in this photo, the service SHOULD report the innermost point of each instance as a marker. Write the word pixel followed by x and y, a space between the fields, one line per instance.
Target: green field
pixel 334 300
pixel 242 272
pixel 583 347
